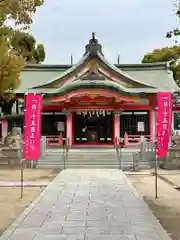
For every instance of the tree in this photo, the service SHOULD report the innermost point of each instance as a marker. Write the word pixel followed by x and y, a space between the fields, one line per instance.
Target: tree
pixel 11 67
pixel 21 48
pixel 19 12
pixel 166 54
pixel 175 32
pixel 169 54
pixel 16 47
pixel 25 44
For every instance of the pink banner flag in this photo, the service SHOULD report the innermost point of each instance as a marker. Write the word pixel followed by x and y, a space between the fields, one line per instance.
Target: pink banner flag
pixel 164 122
pixel 32 126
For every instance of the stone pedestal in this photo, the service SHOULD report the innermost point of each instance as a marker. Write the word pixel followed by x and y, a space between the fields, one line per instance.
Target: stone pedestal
pixel 12 148
pixel 43 147
pixel 172 161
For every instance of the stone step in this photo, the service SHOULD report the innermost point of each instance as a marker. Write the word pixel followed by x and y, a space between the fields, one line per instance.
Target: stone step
pixel 83 163
pixel 83 160
pixel 87 162
pixel 92 151
pixel 79 163
pixel 125 168
pixel 82 166
pixel 82 155
pixel 91 161
pixel 88 155
pixel 89 158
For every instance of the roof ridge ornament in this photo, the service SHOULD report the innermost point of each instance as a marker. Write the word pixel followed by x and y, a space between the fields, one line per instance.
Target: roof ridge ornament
pixel 93 36
pixel 93 47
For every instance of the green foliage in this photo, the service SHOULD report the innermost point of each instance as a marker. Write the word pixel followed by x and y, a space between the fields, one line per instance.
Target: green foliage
pixel 162 55
pixel 20 12
pixel 25 44
pixel 16 47
pixel 175 32
pixel 10 67
pixel 175 68
pixel 167 54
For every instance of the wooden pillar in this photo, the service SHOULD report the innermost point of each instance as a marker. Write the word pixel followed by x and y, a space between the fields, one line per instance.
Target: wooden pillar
pixel 4 128
pixel 69 127
pixel 152 116
pixel 116 127
pixel 152 123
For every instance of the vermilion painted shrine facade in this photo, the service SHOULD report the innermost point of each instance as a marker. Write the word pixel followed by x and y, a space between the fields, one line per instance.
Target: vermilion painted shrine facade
pixel 94 102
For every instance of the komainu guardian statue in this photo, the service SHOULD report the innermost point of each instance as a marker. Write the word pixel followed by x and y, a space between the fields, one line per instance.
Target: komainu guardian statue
pixel 172 161
pixel 12 147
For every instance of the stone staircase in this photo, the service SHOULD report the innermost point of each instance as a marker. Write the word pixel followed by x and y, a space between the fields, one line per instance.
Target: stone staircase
pixel 90 158
pixel 52 159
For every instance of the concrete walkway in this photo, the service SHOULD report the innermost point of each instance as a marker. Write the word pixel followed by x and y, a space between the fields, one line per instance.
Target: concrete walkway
pixel 88 205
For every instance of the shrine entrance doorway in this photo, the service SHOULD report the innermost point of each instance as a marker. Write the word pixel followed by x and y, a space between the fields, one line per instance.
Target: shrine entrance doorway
pixel 93 128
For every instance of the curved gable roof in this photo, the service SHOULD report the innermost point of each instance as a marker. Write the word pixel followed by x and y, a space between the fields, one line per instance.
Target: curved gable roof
pixel 148 76
pixel 106 84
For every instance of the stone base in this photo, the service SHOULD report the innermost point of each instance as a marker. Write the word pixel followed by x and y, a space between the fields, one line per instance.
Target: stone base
pixel 172 162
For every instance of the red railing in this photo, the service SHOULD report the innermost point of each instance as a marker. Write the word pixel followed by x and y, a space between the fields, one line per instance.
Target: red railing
pixel 133 140
pixel 53 141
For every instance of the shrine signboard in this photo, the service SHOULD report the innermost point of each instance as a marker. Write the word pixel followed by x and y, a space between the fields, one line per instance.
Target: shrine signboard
pixel 164 122
pixel 32 126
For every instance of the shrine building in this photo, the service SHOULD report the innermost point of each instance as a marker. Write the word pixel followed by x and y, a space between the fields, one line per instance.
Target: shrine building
pixel 94 102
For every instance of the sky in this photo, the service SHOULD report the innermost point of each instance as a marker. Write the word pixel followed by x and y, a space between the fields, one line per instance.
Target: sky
pixel 130 28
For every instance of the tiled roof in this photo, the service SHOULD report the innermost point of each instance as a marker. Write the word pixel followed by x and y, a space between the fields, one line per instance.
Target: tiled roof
pixel 150 76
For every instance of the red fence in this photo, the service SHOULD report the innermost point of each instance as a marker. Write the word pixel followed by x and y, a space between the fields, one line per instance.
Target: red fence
pixel 53 141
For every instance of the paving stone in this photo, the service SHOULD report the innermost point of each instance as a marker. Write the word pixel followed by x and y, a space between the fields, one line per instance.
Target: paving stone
pixel 35 221
pixel 74 223
pixel 98 230
pixel 140 236
pixel 121 230
pixel 88 205
pixel 96 216
pixel 76 215
pixel 109 237
pixel 73 230
pixel 21 234
pixel 97 223
pixel 54 216
pixel 51 227
pixel 58 237
pixel 78 208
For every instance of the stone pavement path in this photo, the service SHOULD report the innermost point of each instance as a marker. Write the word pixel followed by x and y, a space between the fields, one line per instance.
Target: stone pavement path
pixel 88 205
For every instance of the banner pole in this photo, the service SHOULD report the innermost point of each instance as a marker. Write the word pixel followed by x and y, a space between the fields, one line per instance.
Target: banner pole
pixel 22 178
pixel 22 160
pixel 156 178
